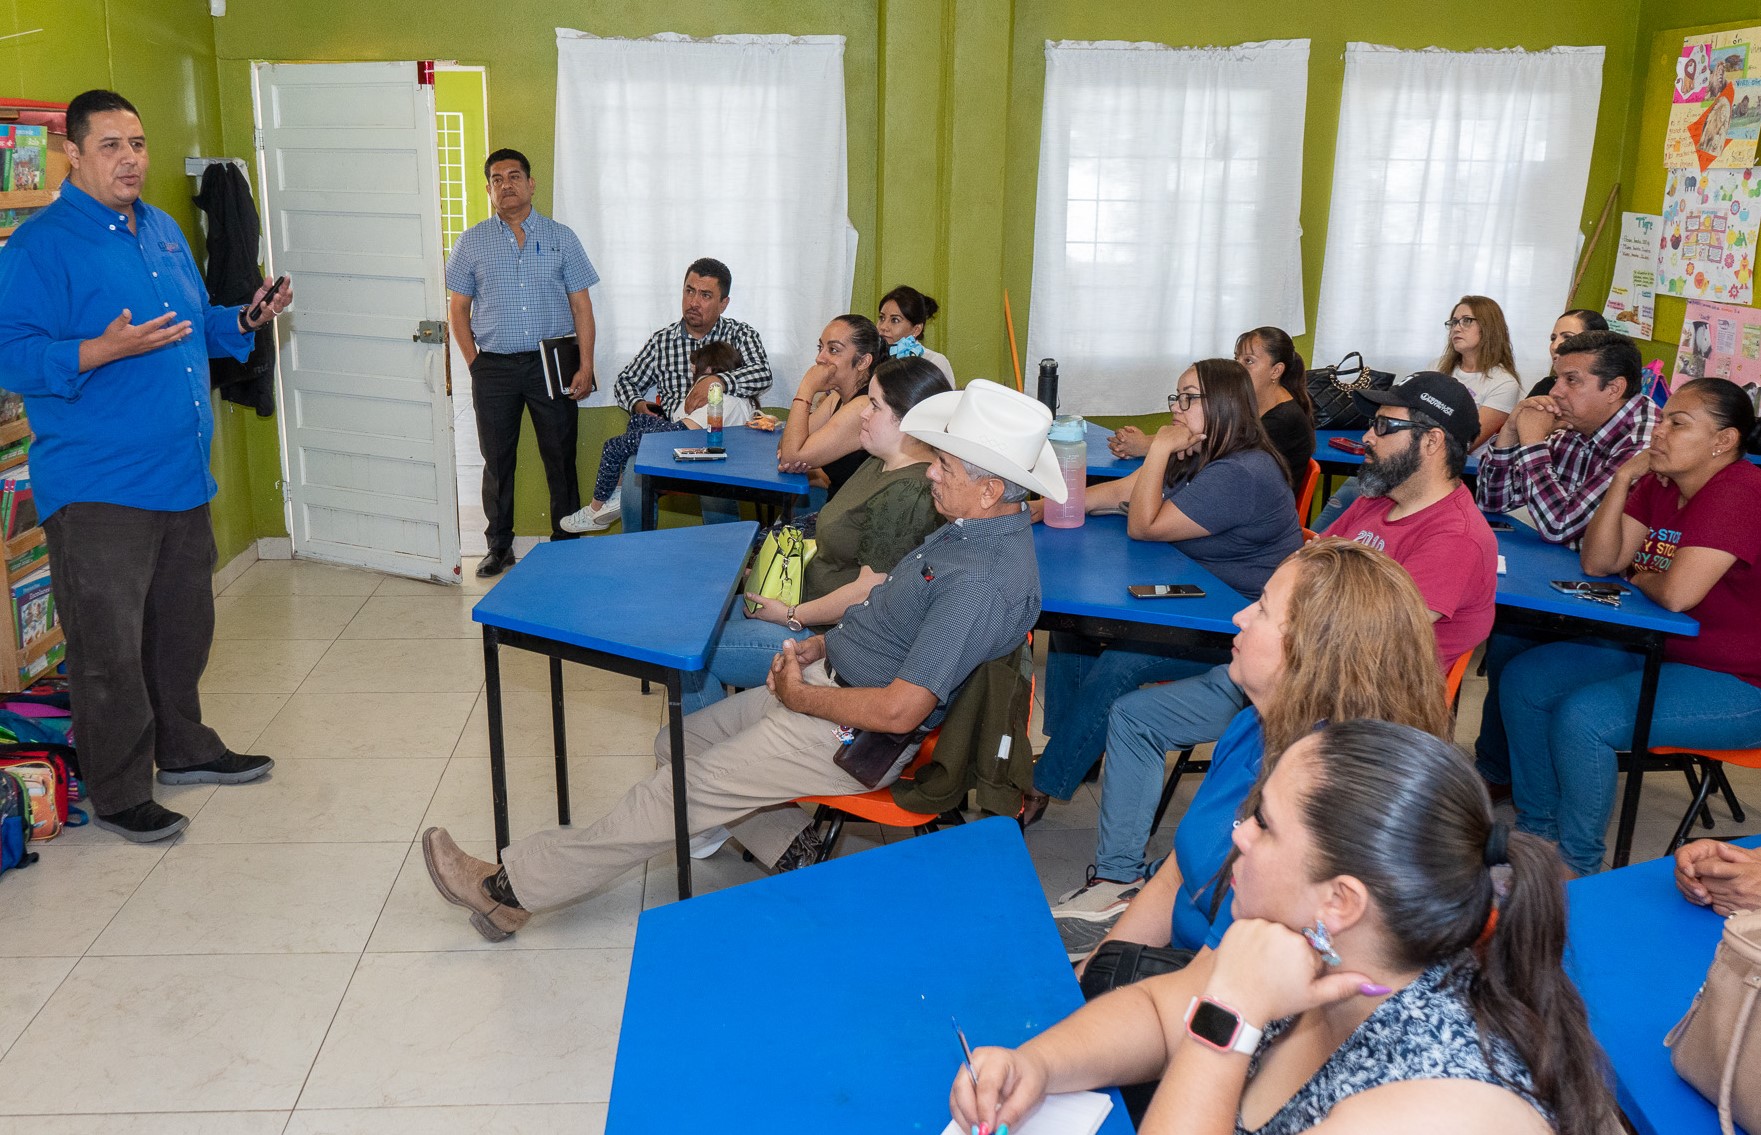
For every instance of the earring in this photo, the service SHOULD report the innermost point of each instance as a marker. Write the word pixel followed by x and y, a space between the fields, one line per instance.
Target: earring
pixel 1322 942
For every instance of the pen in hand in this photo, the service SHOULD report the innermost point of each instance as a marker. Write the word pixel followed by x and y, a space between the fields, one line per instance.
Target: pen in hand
pixel 966 1062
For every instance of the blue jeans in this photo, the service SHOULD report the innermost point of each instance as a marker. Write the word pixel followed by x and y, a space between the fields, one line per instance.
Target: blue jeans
pixel 715 509
pixel 1081 688
pixel 1341 500
pixel 1492 746
pixel 1570 707
pixel 740 656
pixel 1143 727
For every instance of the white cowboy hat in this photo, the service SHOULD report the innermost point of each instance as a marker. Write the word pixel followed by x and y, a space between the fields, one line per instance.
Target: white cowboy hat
pixel 997 429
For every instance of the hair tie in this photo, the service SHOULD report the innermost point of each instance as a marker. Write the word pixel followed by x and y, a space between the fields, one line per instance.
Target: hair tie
pixel 1498 844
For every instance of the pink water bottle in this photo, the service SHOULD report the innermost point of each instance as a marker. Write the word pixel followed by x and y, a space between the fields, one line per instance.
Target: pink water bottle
pixel 1069 438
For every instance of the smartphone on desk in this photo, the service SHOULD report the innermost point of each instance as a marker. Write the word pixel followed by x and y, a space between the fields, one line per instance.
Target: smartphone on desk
pixel 701 453
pixel 1593 589
pixel 1166 591
pixel 1500 525
pixel 1347 445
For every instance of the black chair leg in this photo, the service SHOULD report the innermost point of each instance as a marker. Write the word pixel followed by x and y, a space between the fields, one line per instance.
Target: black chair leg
pixel 1687 825
pixel 1180 766
pixel 1730 796
pixel 1691 771
pixel 829 842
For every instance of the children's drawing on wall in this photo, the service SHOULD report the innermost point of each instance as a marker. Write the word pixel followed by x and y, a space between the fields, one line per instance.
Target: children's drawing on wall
pixel 1720 341
pixel 1706 244
pixel 1711 126
pixel 1692 70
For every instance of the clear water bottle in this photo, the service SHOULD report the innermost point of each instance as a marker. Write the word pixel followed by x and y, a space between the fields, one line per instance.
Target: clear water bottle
pixel 714 412
pixel 1069 438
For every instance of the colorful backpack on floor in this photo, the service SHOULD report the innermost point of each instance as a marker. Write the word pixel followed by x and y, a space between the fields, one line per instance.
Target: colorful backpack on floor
pixel 14 825
pixel 51 777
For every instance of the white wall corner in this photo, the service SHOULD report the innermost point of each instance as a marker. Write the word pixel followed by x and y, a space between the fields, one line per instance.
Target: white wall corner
pixel 275 548
pixel 233 568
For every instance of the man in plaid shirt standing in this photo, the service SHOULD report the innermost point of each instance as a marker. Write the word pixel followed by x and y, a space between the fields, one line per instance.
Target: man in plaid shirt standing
pixel 1556 456
pixel 659 377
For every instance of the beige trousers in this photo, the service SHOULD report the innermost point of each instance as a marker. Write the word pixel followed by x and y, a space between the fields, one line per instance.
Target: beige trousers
pixel 747 758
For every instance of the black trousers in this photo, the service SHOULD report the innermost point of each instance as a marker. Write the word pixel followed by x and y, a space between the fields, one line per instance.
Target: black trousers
pixel 500 386
pixel 134 592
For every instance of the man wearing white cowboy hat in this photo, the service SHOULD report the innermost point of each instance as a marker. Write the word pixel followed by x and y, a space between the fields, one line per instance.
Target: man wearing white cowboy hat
pixel 966 595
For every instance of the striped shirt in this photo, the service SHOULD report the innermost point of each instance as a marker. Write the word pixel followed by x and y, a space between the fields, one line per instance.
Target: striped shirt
pixel 1562 480
pixel 966 595
pixel 519 295
pixel 664 364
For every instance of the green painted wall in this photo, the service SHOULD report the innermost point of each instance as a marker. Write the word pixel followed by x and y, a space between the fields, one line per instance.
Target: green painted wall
pixel 1662 28
pixel 462 92
pixel 942 101
pixel 160 54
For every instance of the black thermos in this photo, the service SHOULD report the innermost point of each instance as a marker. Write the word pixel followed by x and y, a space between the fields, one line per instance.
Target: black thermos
pixel 1048 384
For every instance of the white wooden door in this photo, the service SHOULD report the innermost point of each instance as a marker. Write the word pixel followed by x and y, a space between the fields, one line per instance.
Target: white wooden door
pixel 352 200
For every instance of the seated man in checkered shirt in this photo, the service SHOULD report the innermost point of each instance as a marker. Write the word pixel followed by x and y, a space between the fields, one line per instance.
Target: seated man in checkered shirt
pixel 659 378
pixel 967 594
pixel 1556 456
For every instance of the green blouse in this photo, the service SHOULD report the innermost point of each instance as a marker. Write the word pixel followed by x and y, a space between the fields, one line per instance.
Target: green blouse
pixel 873 520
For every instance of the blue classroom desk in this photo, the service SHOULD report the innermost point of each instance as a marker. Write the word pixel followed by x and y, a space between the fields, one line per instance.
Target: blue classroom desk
pixel 1637 951
pixel 820 1000
pixel 591 602
pixel 1083 574
pixel 748 474
pixel 1102 465
pixel 1526 598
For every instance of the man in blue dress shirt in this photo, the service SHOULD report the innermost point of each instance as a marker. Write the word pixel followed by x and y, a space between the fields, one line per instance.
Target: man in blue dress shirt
pixel 516 279
pixel 106 330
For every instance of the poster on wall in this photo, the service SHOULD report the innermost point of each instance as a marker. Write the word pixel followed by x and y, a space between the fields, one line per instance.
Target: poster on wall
pixel 1716 103
pixel 1720 341
pixel 1706 239
pixel 1632 296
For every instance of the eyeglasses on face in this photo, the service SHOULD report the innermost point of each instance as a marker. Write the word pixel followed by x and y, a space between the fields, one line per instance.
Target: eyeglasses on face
pixel 1183 401
pixel 1383 426
pixel 1460 321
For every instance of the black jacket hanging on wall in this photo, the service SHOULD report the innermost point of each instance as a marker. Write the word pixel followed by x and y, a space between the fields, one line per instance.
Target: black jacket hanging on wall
pixel 233 278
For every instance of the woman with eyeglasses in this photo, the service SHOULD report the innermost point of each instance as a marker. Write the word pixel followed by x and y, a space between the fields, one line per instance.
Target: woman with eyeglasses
pixel 1574 322
pixel 1395 964
pixel 1477 354
pixel 1278 374
pixel 1211 485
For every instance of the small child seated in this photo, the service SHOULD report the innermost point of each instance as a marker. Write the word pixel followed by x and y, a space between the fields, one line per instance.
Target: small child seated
pixel 707 362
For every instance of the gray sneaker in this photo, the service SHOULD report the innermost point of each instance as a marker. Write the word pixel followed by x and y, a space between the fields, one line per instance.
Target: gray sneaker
pixel 1081 936
pixel 1097 900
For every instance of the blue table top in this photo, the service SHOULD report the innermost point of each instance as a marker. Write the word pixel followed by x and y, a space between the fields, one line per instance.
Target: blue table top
pixel 1085 571
pixel 1532 564
pixel 600 593
pixel 1638 951
pixel 751 462
pixel 1101 462
pixel 819 1000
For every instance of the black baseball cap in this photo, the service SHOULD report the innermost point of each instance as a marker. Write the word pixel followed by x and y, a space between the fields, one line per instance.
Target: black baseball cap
pixel 1438 396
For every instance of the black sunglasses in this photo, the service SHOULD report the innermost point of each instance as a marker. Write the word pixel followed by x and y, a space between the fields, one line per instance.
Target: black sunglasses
pixel 1385 426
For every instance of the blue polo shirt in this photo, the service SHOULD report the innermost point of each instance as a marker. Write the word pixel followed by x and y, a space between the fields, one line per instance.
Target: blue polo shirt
pixel 136 431
pixel 519 293
pixel 1206 831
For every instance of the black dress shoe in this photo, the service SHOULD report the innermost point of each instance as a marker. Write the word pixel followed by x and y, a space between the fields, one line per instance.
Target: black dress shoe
pixel 144 823
pixel 495 563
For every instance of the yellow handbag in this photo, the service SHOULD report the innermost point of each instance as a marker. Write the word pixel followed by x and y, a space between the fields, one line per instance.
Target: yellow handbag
pixel 780 566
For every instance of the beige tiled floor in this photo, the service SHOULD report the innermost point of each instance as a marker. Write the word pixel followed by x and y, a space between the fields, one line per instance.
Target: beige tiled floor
pixel 285 966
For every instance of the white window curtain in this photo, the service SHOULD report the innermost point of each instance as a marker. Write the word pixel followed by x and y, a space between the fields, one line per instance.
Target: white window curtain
pixel 1170 181
pixel 671 148
pixel 1455 174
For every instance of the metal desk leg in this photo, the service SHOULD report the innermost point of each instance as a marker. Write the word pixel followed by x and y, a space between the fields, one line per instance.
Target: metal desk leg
pixel 498 773
pixel 1641 751
pixel 559 730
pixel 675 723
pixel 650 505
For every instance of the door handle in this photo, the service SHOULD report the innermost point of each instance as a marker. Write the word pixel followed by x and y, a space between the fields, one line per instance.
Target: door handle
pixel 430 331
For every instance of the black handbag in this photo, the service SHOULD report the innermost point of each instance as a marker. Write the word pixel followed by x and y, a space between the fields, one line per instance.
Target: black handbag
pixel 1115 963
pixel 1331 388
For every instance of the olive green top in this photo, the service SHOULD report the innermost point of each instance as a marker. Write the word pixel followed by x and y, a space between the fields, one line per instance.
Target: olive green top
pixel 874 519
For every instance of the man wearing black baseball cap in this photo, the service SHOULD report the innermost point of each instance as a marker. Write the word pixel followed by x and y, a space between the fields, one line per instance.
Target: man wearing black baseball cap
pixel 1415 508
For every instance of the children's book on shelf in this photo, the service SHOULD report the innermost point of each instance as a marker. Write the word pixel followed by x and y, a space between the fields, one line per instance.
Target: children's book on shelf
pixel 18 507
pixel 33 605
pixel 11 406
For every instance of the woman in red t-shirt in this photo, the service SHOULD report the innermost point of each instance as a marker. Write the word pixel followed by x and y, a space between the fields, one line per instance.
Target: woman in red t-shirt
pixel 1682 520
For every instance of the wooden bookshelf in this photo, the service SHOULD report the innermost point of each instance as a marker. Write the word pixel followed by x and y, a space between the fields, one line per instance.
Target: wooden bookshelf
pixel 13 658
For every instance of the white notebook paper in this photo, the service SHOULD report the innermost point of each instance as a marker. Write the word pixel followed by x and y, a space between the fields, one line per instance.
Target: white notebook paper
pixel 1502 566
pixel 1066 1113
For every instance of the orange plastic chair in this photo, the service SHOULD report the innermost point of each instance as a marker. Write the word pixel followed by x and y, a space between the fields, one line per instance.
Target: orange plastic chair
pixel 1452 680
pixel 1306 499
pixel 1310 534
pixel 877 807
pixel 1707 763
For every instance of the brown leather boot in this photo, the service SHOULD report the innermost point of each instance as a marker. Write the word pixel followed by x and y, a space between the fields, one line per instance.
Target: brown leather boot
pixel 459 878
